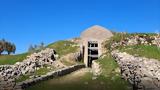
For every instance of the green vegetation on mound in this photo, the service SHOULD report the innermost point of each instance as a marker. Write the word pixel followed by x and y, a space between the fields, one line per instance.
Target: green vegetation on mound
pixel 22 78
pixel 116 38
pixel 12 59
pixel 143 51
pixel 148 51
pixel 119 37
pixel 44 70
pixel 63 47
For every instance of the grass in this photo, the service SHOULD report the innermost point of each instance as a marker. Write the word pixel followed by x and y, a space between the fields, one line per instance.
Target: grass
pixel 12 59
pixel 22 78
pixel 110 74
pixel 108 64
pixel 63 47
pixel 143 51
pixel 42 71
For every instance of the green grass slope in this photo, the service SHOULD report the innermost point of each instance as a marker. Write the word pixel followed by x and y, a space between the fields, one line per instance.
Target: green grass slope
pixel 111 75
pixel 143 51
pixel 61 47
pixel 148 51
pixel 12 59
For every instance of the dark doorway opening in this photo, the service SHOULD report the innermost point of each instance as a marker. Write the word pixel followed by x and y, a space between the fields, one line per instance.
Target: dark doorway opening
pixel 92 52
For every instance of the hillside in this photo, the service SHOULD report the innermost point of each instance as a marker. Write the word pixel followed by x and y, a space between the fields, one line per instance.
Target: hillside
pixel 61 47
pixel 64 47
pixel 23 65
pixel 110 76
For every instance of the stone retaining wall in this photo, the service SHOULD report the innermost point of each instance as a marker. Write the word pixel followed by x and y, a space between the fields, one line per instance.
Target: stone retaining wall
pixel 96 68
pixel 142 73
pixel 60 72
pixel 8 73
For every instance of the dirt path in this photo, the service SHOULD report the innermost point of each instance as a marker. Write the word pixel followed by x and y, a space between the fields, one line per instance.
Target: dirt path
pixel 72 81
pixel 70 78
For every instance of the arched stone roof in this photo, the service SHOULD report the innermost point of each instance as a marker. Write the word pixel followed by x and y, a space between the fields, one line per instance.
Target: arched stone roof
pixel 96 32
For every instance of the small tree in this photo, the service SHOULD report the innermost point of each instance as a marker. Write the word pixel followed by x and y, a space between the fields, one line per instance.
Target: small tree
pixel 1 47
pixel 8 47
pixel 35 47
pixel 31 48
pixel 41 45
pixel 13 48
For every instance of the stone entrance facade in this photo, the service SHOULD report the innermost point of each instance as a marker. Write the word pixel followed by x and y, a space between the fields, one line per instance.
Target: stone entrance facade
pixel 91 43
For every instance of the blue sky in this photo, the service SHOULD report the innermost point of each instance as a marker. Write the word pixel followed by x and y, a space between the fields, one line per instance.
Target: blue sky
pixel 27 22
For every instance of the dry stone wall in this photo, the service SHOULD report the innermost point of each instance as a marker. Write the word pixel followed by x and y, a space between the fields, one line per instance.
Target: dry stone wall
pixel 142 73
pixel 96 68
pixel 8 73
